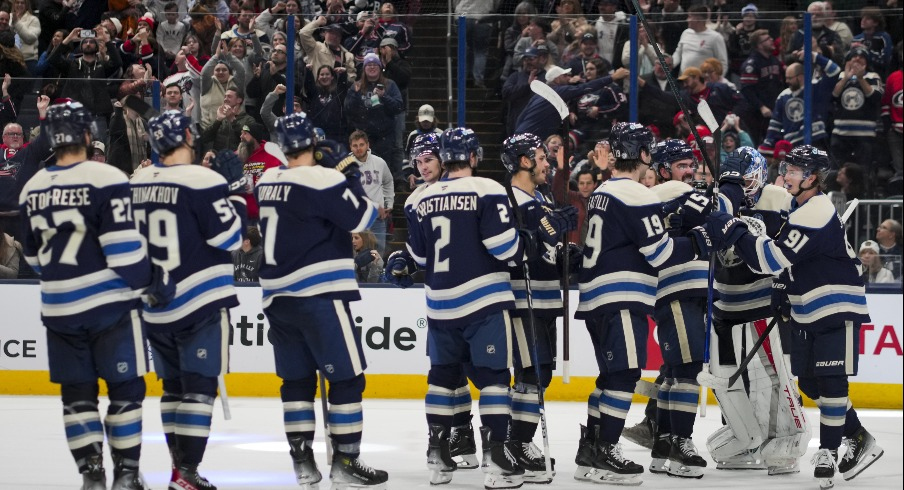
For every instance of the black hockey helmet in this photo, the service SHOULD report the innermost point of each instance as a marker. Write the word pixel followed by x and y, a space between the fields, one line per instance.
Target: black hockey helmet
pixel 514 147
pixel 628 139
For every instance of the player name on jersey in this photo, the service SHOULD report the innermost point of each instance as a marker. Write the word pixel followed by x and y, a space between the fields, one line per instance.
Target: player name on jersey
pixel 273 193
pixel 598 202
pixel 155 193
pixel 79 196
pixel 446 203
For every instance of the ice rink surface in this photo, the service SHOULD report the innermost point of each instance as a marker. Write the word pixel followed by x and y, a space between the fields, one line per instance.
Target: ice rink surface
pixel 250 451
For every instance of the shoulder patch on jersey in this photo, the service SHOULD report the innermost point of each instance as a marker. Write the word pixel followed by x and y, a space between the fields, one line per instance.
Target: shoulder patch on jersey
pixel 630 192
pixel 671 190
pixel 774 198
pixel 815 213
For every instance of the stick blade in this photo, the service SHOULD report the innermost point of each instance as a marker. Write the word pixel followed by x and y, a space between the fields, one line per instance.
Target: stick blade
pixel 707 114
pixel 551 96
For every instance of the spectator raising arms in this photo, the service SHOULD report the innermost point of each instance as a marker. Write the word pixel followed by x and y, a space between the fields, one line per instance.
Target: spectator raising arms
pixel 28 29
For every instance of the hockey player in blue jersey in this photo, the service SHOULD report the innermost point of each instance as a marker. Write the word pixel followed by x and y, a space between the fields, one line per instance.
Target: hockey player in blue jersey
pixel 680 315
pixel 626 244
pixel 191 224
pixel 463 236
pixel 424 157
pixel 764 421
pixel 823 299
pixel 79 235
pixel 524 157
pixel 308 212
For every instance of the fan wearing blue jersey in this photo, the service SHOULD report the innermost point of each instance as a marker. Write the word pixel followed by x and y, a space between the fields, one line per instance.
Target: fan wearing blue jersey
pixel 626 245
pixel 680 315
pixel 463 234
pixel 524 157
pixel 821 297
pixel 79 235
pixel 191 223
pixel 462 447
pixel 308 211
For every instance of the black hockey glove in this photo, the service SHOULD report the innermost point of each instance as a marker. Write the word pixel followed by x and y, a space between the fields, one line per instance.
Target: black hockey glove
pixel 399 268
pixel 700 239
pixel 575 258
pixel 725 229
pixel 557 222
pixel 781 305
pixel 733 168
pixel 162 289
pixel 227 164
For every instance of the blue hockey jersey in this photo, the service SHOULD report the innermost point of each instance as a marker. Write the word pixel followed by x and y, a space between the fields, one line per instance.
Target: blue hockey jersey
pixel 307 217
pixel 825 278
pixel 463 232
pixel 626 244
pixel 688 279
pixel 744 295
pixel 82 240
pixel 546 290
pixel 191 225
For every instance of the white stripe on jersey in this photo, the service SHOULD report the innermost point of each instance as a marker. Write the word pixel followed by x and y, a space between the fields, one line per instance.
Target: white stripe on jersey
pixel 508 237
pixel 770 258
pixel 545 295
pixel 671 281
pixel 758 295
pixel 84 293
pixel 369 217
pixel 329 276
pixel 421 261
pixel 230 239
pixel 624 286
pixel 659 252
pixel 348 335
pixel 141 350
pixel 455 302
pixel 833 298
pixel 192 293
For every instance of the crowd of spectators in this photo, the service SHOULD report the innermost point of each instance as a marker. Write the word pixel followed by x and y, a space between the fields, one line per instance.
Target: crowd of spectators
pixel 225 63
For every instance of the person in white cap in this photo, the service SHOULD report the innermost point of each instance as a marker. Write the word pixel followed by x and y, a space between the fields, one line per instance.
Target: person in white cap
pixel 873 269
pixel 98 152
pixel 424 124
pixel 538 113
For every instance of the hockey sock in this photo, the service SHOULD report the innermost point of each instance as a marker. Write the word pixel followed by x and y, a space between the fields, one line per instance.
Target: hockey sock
pixel 84 431
pixel 593 409
pixel 193 418
pixel 124 420
pixel 461 410
pixel 440 403
pixel 169 402
pixel 346 419
pixel 683 398
pixel 495 403
pixel 851 421
pixel 663 415
pixel 525 412
pixel 832 416
pixel 615 400
pixel 298 407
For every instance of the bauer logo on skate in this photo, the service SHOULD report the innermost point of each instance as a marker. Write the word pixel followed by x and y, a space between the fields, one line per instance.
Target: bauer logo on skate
pixel 392 328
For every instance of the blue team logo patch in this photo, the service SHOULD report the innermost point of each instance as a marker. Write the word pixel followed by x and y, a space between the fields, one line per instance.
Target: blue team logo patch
pixel 794 109
pixel 202 354
pixel 491 349
pixel 122 367
pixel 852 98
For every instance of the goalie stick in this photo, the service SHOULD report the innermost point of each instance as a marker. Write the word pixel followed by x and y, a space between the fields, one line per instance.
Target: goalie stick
pixel 561 107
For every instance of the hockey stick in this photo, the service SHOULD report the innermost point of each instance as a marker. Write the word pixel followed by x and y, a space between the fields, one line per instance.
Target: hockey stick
pixel 705 378
pixel 561 107
pixel 707 115
pixel 674 86
pixel 224 397
pixel 326 425
pixel 533 333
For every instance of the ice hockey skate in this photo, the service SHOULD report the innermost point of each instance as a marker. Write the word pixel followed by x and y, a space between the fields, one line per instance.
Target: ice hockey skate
pixel 94 477
pixel 499 466
pixel 660 454
pixel 684 462
pixel 306 473
pixel 862 451
pixel 824 467
pixel 126 478
pixel 463 447
pixel 532 460
pixel 643 434
pixel 351 472
pixel 186 477
pixel 439 459
pixel 601 462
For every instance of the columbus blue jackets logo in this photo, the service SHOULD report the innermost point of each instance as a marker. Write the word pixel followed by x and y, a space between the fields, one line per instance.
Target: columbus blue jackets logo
pixel 794 109
pixel 852 98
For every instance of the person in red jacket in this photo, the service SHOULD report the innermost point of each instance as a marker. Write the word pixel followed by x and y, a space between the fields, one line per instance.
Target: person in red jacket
pixel 893 120
pixel 258 155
